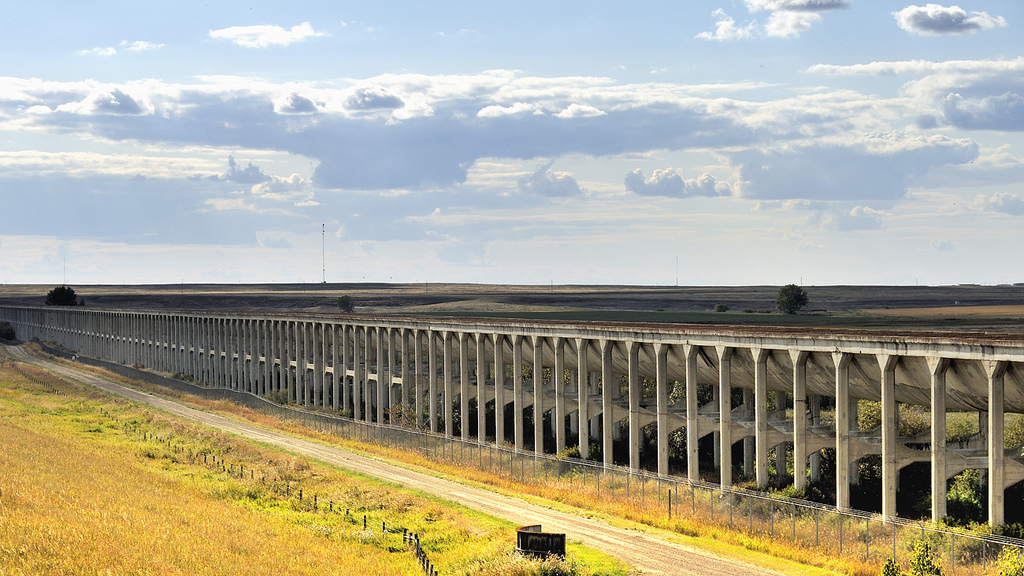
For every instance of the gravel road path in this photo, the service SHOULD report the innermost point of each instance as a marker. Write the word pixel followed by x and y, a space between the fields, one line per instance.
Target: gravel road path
pixel 645 551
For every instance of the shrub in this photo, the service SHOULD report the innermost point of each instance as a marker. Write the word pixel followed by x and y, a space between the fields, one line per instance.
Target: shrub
pixel 721 308
pixel 891 568
pixel 7 331
pixel 346 305
pixel 1011 563
pixel 922 562
pixel 63 296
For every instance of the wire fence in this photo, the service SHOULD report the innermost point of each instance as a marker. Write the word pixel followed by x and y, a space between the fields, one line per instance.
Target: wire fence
pixel 850 534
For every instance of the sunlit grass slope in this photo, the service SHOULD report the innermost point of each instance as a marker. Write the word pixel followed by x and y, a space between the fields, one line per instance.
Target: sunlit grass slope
pixel 94 485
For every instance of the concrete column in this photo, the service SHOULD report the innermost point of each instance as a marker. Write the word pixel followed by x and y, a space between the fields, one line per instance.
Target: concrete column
pixel 499 390
pixel 607 409
pixel 635 392
pixel 482 369
pixel 405 372
pixel 760 357
pixel 368 373
pixel 449 380
pixel 582 346
pixel 346 353
pixel 749 442
pixel 661 390
pixel 417 353
pixel 814 404
pixel 937 368
pixel 392 372
pixel 358 373
pixel 302 364
pixel 692 433
pixel 338 375
pixel 799 359
pixel 518 400
pixel 725 412
pixel 558 381
pixel 382 380
pixel 890 466
pixel 432 380
pixel 843 465
pixel 780 450
pixel 318 364
pixel 538 394
pixel 464 385
pixel 996 457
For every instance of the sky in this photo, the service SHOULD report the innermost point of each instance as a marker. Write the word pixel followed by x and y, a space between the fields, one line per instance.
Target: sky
pixel 603 142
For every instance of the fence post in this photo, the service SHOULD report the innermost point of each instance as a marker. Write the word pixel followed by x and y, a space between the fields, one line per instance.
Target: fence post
pixel 867 537
pixel 670 505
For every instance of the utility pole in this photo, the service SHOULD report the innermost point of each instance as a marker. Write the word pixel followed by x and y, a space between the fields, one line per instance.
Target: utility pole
pixel 323 242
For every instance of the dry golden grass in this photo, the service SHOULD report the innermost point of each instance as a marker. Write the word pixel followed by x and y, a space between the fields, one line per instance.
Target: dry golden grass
pixel 91 484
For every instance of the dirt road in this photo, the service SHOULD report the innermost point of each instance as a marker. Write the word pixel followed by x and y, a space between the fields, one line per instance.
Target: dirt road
pixel 647 552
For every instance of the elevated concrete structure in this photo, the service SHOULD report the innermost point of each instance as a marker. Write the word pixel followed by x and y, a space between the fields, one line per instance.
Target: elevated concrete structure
pixel 749 391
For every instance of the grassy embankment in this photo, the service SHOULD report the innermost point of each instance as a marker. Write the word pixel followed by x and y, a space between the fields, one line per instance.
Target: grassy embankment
pixel 617 508
pixel 92 484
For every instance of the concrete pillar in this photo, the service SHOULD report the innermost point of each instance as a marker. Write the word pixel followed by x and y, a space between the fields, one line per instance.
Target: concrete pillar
pixel 749 442
pixel 608 384
pixel 799 359
pixel 302 363
pixel 432 379
pixel 358 373
pixel 499 390
pixel 937 368
pixel 538 394
pixel 417 353
pixel 518 401
pixel 464 385
pixel 692 432
pixel 635 392
pixel 449 380
pixel 558 381
pixel 382 381
pixel 582 346
pixel 844 467
pixel 369 373
pixel 996 457
pixel 760 357
pixel 725 412
pixel 338 374
pixel 780 450
pixel 661 390
pixel 318 363
pixel 482 369
pixel 890 466
pixel 814 405
pixel 405 372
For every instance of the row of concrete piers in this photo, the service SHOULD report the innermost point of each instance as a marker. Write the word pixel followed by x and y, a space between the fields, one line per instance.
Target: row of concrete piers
pixel 771 400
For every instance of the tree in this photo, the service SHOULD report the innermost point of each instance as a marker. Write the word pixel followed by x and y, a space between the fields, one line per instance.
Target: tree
pixel 790 299
pixel 63 296
pixel 7 331
pixel 891 568
pixel 921 561
pixel 721 308
pixel 345 304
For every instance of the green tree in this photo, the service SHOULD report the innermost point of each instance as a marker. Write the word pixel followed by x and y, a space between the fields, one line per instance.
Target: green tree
pixel 345 304
pixel 891 568
pixel 1011 563
pixel 790 299
pixel 721 308
pixel 922 562
pixel 63 296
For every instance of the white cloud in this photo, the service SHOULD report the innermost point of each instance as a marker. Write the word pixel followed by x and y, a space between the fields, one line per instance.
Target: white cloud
pixel 575 110
pixel 496 111
pixel 786 19
pixel 264 35
pixel 670 182
pixel 935 19
pixel 942 245
pixel 1000 202
pixel 726 29
pixel 139 45
pixel 545 182
pixel 107 51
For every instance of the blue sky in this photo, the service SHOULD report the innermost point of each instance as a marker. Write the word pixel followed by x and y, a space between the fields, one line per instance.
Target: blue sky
pixel 752 142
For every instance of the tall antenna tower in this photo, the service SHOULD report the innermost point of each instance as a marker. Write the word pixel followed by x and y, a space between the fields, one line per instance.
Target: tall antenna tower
pixel 323 247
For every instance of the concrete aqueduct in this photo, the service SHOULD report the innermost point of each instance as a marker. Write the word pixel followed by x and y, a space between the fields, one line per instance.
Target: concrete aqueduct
pixel 371 365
